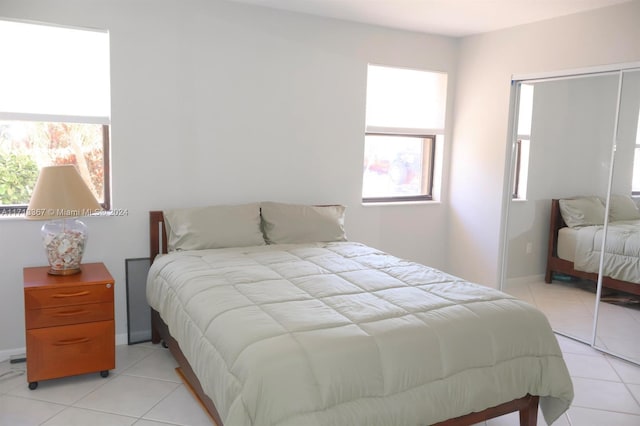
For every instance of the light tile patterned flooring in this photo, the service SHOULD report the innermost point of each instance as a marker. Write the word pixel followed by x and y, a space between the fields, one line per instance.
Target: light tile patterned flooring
pixel 144 390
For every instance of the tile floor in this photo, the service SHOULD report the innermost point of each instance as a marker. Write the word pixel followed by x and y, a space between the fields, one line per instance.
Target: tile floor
pixel 144 390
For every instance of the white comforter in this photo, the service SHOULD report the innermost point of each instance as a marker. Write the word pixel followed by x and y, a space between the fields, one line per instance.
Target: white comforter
pixel 622 250
pixel 343 334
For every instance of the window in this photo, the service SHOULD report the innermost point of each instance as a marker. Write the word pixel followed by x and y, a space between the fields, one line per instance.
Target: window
pixel 521 166
pixel 404 127
pixel 635 185
pixel 54 108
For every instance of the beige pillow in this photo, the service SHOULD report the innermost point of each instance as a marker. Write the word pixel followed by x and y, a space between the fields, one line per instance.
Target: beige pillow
pixel 622 207
pixel 583 211
pixel 296 223
pixel 213 227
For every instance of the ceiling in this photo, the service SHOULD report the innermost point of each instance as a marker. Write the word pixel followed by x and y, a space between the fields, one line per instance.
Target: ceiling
pixel 456 18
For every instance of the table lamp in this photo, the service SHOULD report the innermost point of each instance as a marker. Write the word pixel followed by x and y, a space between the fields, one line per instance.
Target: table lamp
pixel 60 196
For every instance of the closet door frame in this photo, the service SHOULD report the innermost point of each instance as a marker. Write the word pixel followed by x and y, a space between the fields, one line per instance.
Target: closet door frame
pixel 510 165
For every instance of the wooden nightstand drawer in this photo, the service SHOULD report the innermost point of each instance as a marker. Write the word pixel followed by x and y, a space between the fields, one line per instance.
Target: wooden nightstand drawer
pixel 71 349
pixel 67 295
pixel 64 315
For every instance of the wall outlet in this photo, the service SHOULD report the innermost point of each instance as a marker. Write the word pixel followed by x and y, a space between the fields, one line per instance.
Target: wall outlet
pixel 529 248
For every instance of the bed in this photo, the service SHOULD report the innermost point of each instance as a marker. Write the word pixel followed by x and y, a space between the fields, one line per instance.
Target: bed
pixel 290 332
pixel 574 248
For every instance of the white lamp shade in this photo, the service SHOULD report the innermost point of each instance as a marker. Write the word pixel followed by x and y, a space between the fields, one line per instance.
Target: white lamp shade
pixel 61 192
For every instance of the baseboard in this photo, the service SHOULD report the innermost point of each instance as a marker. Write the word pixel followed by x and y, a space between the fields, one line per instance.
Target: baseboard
pixel 122 339
pixel 5 354
pixel 517 281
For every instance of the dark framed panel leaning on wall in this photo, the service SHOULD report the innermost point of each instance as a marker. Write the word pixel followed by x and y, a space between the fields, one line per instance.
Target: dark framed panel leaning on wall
pixel 138 311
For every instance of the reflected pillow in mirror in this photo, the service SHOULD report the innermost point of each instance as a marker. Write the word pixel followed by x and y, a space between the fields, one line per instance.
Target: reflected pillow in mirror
pixel 622 207
pixel 583 211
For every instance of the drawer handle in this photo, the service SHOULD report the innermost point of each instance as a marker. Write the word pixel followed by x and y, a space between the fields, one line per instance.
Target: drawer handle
pixel 71 341
pixel 70 313
pixel 63 295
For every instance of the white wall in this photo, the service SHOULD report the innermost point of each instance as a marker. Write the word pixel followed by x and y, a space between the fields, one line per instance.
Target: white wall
pixel 216 102
pixel 486 64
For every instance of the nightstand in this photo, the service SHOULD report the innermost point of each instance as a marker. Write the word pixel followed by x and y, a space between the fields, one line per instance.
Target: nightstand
pixel 69 319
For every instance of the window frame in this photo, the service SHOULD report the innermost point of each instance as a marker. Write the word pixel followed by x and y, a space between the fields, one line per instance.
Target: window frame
pixel 636 193
pixel 522 144
pixel 428 160
pixel 516 180
pixel 106 164
pixel 635 152
pixel 522 152
pixel 20 209
pixel 432 133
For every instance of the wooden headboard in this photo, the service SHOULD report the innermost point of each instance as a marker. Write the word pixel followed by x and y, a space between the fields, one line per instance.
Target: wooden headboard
pixel 157 234
pixel 554 263
pixel 556 222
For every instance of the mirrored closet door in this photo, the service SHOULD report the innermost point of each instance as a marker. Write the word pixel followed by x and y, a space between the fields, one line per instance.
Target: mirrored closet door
pixel 566 158
pixel 618 313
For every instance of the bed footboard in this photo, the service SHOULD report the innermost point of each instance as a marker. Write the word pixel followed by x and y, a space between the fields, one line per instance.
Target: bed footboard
pixel 527 406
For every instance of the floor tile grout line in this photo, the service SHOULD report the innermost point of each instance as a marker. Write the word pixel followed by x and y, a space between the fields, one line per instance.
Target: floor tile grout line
pixel 157 403
pixel 609 358
pixel 152 378
pixel 151 352
pixel 111 412
pixel 67 407
pixel 633 395
pixel 104 381
pixel 607 410
pixel 597 379
pixel 27 398
pixel 105 411
pixel 55 414
pixel 566 413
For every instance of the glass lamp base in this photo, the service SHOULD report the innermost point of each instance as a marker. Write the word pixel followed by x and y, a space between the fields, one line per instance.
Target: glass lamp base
pixel 64 241
pixel 52 271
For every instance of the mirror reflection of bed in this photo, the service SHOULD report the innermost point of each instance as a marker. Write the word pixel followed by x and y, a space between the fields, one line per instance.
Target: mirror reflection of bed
pixel 569 127
pixel 573 259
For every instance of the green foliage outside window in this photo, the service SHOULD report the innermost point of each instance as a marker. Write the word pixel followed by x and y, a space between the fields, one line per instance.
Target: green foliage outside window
pixel 27 146
pixel 18 175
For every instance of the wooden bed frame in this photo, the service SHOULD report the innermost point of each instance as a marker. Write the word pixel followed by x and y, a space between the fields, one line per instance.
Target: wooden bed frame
pixel 556 264
pixel 527 406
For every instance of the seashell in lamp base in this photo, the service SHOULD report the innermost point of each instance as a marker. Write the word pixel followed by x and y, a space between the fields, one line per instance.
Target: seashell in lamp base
pixel 64 241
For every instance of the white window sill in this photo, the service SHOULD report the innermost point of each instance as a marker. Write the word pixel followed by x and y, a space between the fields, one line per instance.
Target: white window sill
pixel 401 203
pixel 110 213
